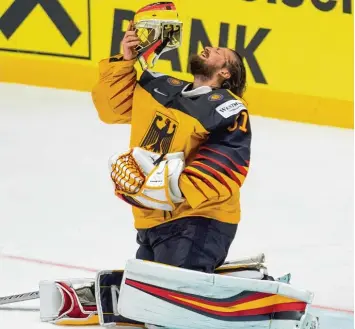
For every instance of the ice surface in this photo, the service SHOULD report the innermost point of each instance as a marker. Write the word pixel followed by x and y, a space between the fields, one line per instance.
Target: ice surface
pixel 57 205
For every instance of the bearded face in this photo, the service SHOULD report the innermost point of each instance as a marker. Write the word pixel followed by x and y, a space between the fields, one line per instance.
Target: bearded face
pixel 199 66
pixel 215 66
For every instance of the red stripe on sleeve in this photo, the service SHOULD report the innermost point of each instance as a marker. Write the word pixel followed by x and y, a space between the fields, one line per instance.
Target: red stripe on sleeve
pixel 129 84
pixel 207 182
pixel 239 167
pixel 229 171
pixel 214 173
pixel 129 109
pixel 120 78
pixel 124 101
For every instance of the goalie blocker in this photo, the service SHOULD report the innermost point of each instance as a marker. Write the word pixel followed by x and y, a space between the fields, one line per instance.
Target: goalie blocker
pixel 147 294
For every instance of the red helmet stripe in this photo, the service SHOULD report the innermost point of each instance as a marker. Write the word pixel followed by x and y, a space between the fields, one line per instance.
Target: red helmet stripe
pixel 151 49
pixel 158 6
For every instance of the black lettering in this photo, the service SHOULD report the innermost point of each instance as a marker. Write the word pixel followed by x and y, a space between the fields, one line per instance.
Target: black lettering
pixel 118 33
pixel 173 57
pixel 223 35
pixel 324 6
pixel 198 34
pixel 61 20
pixel 292 3
pixel 347 9
pixel 247 51
pixel 20 9
pixel 15 15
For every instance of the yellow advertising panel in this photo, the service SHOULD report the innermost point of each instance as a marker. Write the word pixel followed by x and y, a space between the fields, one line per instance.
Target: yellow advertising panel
pixel 298 53
pixel 51 28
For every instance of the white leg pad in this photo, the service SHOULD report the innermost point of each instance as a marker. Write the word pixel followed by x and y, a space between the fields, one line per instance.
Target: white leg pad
pixel 178 298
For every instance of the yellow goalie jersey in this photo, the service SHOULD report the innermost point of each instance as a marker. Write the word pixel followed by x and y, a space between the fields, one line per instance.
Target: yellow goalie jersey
pixel 210 126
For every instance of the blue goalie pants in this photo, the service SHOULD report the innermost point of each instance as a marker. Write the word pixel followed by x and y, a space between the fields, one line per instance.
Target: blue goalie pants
pixel 194 243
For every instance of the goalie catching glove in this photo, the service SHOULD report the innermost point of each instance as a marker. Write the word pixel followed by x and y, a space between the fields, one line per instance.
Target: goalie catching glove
pixel 148 180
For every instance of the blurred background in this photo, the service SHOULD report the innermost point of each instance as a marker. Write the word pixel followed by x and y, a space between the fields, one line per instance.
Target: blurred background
pixel 58 214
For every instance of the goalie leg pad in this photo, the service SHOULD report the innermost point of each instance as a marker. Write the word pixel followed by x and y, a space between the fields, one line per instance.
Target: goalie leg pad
pixel 107 287
pixel 172 295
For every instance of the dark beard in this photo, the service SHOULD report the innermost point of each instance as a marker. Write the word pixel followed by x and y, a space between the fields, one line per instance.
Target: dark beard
pixel 200 68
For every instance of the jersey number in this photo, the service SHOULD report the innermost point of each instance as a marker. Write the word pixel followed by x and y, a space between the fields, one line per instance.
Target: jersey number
pixel 243 125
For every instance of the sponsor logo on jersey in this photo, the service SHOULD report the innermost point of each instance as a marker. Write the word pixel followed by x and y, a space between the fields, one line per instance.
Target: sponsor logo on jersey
pixel 230 108
pixel 215 97
pixel 160 134
pixel 175 82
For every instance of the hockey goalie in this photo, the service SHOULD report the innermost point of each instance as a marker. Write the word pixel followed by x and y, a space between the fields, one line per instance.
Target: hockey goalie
pixel 188 157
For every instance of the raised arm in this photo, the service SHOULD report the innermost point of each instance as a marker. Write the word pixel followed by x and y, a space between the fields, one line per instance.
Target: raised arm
pixel 113 93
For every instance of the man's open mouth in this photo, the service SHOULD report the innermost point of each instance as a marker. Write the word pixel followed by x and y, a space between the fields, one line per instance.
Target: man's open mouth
pixel 204 54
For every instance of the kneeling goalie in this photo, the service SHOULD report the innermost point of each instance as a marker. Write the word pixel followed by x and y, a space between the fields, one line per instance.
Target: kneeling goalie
pixel 188 158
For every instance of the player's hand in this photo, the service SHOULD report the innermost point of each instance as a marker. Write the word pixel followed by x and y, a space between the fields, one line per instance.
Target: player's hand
pixel 129 42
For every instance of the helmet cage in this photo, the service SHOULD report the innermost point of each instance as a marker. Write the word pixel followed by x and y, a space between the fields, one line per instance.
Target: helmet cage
pixel 157 37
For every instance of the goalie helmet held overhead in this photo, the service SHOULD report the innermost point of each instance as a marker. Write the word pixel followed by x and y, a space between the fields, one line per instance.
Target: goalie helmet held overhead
pixel 159 30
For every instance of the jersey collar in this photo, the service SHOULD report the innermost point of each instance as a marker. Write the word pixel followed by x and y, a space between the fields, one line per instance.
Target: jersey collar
pixel 195 92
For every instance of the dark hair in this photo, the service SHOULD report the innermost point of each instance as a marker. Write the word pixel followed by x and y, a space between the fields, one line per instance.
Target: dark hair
pixel 237 82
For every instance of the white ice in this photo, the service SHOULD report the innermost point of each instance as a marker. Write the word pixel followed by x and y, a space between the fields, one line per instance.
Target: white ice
pixel 56 200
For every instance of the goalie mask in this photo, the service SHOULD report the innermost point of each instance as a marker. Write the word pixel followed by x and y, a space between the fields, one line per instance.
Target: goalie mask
pixel 159 31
